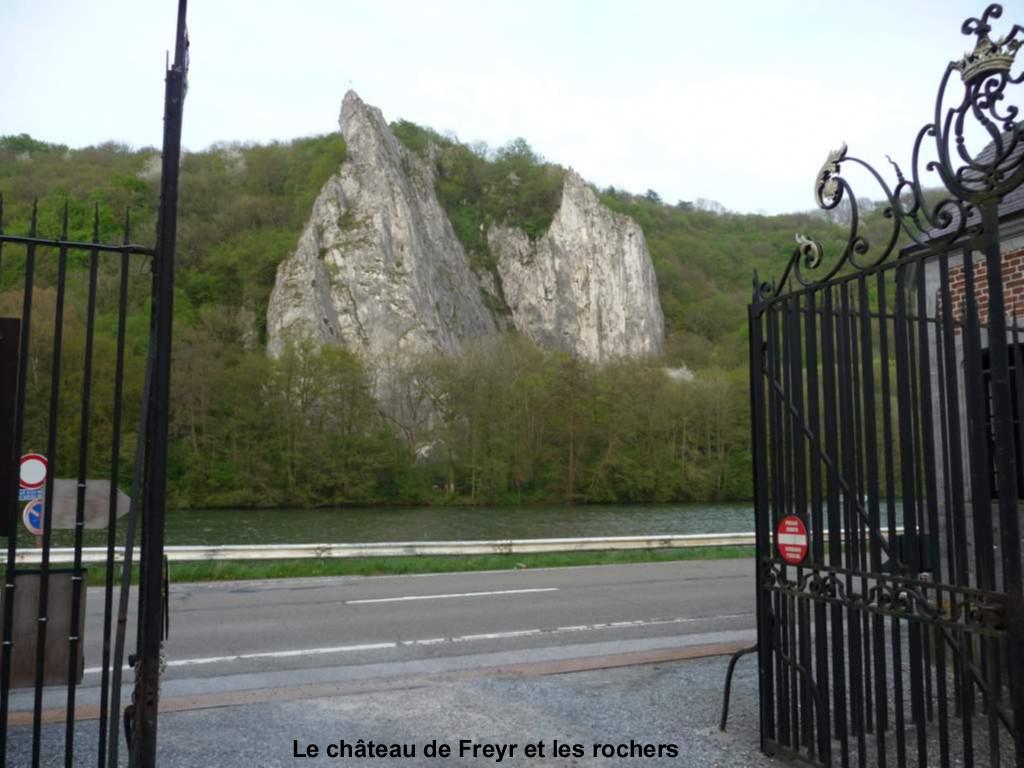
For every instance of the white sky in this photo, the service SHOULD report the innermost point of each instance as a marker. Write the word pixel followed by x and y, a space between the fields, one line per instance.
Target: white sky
pixel 734 100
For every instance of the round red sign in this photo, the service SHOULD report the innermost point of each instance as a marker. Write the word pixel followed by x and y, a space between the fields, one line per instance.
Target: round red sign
pixel 33 470
pixel 791 539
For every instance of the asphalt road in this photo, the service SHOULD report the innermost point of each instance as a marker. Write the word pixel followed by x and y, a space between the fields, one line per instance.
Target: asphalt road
pixel 250 635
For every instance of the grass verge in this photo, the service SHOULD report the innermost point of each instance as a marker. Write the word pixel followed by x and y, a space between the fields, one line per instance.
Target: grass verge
pixel 231 570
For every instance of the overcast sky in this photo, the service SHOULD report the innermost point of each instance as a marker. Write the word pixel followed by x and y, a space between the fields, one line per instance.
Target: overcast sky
pixel 733 100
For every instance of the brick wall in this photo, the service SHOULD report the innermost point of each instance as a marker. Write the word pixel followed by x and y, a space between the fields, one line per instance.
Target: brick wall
pixel 1013 286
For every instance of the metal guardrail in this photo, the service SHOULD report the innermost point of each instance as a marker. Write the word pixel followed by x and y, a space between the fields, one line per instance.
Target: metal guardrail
pixel 402 548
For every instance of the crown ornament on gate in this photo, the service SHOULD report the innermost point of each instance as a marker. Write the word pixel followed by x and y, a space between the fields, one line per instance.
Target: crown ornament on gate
pixel 988 55
pixel 969 177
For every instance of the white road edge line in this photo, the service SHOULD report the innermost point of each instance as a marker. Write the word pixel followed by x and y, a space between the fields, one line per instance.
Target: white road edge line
pixel 438 641
pixel 453 594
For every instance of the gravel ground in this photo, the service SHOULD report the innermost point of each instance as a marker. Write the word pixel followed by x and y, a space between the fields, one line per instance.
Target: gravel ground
pixel 671 704
pixel 675 703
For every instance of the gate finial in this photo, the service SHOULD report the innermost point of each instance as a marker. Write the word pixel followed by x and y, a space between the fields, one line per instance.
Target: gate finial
pixel 988 55
pixel 827 189
pixel 970 175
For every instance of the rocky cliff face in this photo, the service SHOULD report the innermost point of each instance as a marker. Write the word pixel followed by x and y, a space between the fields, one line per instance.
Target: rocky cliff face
pixel 587 286
pixel 379 269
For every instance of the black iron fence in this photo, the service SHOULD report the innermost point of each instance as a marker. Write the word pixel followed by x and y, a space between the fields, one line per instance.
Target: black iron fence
pixel 887 438
pixel 73 459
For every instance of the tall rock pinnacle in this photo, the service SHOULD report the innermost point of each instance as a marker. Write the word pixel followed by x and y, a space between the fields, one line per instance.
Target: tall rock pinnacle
pixel 378 267
pixel 587 286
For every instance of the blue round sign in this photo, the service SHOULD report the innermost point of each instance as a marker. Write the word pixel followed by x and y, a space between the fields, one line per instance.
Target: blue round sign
pixel 33 516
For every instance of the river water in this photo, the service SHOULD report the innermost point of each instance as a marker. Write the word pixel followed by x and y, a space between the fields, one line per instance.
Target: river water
pixel 273 526
pixel 361 524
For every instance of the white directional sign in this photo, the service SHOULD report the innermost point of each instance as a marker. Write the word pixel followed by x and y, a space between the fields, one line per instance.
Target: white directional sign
pixel 33 470
pixel 96 512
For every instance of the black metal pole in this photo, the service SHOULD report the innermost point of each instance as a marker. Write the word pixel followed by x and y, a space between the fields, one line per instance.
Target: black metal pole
pixel 758 439
pixel 78 574
pixel 7 648
pixel 42 617
pixel 143 752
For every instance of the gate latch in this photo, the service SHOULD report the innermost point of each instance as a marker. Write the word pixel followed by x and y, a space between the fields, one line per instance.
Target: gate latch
pixel 991 615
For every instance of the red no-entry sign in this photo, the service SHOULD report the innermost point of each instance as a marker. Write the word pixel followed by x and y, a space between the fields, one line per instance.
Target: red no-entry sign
pixel 791 539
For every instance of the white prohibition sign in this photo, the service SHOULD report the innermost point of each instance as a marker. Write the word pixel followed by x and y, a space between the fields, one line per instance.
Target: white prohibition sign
pixel 33 470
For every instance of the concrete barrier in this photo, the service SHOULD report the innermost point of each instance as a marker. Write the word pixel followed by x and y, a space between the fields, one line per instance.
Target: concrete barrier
pixel 402 548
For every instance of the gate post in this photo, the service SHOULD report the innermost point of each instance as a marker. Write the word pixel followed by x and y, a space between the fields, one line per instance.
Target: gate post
pixel 150 631
pixel 758 437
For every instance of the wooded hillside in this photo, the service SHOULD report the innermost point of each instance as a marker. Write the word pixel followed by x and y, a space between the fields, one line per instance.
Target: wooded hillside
pixel 517 423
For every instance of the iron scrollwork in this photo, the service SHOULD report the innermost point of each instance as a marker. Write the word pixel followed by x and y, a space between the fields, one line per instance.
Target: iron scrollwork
pixel 968 178
pixel 893 597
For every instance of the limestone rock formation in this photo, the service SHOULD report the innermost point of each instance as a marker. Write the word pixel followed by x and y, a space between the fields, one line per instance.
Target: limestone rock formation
pixel 378 268
pixel 586 286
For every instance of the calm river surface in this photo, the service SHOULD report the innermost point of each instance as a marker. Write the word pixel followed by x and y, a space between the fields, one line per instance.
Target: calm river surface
pixel 287 526
pixel 332 526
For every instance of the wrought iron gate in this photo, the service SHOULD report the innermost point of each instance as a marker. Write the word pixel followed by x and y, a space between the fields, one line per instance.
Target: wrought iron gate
pixel 887 420
pixel 63 286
